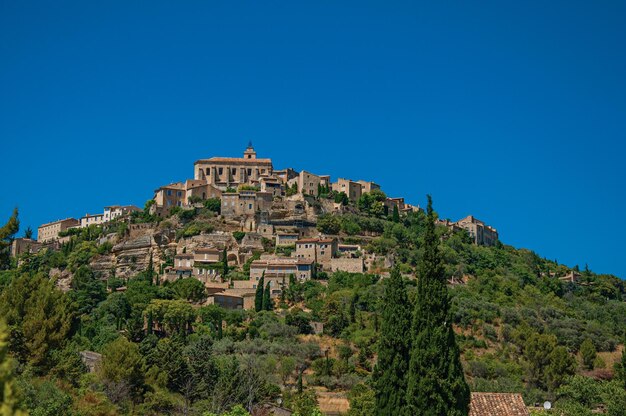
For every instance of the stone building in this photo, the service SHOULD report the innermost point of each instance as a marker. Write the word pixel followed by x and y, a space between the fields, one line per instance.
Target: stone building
pixel 286 239
pixel 367 187
pixel 181 194
pixel 482 234
pixel 308 183
pixel 20 246
pixel 352 189
pixel 278 269
pixel 286 175
pixel 51 230
pixel 231 172
pixel 110 213
pixel 272 185
pixel 245 203
pixel 318 250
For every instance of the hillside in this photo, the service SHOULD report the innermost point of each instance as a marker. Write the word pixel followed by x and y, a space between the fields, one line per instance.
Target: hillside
pixel 524 323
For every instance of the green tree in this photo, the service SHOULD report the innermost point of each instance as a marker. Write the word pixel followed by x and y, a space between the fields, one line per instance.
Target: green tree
pixel 7 232
pixel 224 263
pixel 88 291
pixel 328 224
pixel 562 365
pixel 394 347
pixel 122 371
pixel 40 317
pixel 28 233
pixel 362 401
pixel 396 214
pixel 258 296
pixel 436 384
pixel 213 204
pixel 9 402
pixel 190 289
pixel 588 353
pixel 150 270
pixel 268 305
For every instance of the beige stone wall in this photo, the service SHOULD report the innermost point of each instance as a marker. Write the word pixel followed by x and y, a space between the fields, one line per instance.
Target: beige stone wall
pixel 50 231
pixel 346 264
pixel 350 188
pixel 308 183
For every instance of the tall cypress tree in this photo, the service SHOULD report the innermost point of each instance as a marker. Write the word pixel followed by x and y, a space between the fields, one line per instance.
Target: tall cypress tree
pixel 436 384
pixel 258 295
pixel 267 300
pixel 395 217
pixel 394 346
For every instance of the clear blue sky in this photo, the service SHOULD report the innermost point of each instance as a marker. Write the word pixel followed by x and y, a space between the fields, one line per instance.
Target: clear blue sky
pixel 512 111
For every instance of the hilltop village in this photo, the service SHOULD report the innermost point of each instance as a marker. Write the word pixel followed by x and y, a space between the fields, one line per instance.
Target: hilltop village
pixel 254 219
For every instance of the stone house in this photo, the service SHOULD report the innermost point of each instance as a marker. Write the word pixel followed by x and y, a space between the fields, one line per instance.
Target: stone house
pixel 308 183
pixel 178 194
pixel 278 269
pixel 286 239
pixel 110 213
pixel 20 246
pixel 482 234
pixel 367 187
pixel 272 185
pixel 245 203
pixel 232 172
pixel 286 175
pixel 352 189
pixel 318 250
pixel 51 230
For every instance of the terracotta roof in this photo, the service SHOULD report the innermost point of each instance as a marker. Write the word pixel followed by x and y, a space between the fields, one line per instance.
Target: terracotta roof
pixel 207 250
pixel 235 160
pixel 57 221
pixel 315 240
pixel 497 404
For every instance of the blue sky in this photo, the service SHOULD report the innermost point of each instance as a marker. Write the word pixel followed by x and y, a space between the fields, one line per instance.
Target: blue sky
pixel 513 112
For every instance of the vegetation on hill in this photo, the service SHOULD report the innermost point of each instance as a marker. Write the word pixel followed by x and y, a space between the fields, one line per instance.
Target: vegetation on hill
pixel 517 327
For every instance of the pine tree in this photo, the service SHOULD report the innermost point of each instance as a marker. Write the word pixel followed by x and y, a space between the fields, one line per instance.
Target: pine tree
pixel 267 300
pixel 396 214
pixel 258 295
pixel 9 403
pixel 436 384
pixel 7 232
pixel 389 378
pixel 588 353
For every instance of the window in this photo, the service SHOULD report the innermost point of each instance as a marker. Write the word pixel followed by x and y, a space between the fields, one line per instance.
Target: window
pixel 208 171
pixel 221 170
pixel 179 194
pixel 249 206
pixel 169 192
pixel 234 170
pixel 249 172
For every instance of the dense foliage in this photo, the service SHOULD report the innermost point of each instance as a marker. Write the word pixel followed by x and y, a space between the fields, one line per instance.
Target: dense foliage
pixel 515 326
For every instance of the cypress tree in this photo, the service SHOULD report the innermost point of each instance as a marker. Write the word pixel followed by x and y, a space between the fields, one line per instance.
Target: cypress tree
pixel 267 300
pixel 258 295
pixel 225 262
pixel 150 269
pixel 389 378
pixel 436 384
pixel 396 214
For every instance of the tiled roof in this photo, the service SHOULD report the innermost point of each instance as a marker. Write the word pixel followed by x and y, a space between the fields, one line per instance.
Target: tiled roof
pixel 57 221
pixel 315 240
pixel 497 404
